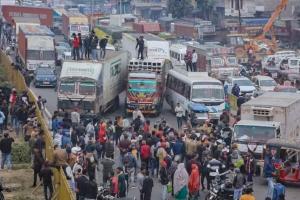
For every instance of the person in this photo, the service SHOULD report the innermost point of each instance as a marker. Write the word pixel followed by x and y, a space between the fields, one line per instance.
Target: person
pixel 124 145
pixel 140 181
pixel 137 112
pixel 87 46
pixel 140 44
pixel 130 163
pixel 181 179
pixel 114 187
pixel 5 147
pixel 248 194
pixel 2 119
pixel 179 115
pixel 94 45
pixel 103 43
pixel 109 148
pixel 194 60
pixel 38 162
pixel 235 90
pixel 194 182
pixel 121 182
pixel 81 182
pixel 238 182
pixel 107 163
pixel 188 60
pixel 147 186
pixel 80 47
pixel 46 174
pixel 164 180
pixel 250 167
pixel 75 118
pixel 145 153
pixel 75 45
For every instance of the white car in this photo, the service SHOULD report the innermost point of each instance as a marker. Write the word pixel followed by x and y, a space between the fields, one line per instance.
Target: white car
pixel 246 85
pixel 264 83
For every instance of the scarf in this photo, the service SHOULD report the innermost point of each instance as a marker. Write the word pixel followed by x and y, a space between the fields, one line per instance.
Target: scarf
pixel 181 178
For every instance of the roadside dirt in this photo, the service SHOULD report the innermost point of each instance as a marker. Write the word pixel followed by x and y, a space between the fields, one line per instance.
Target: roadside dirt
pixel 19 183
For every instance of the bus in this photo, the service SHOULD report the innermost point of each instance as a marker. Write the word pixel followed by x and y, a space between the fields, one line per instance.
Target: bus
pixel 200 95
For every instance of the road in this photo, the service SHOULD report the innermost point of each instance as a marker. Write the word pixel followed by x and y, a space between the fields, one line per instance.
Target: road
pixel 259 186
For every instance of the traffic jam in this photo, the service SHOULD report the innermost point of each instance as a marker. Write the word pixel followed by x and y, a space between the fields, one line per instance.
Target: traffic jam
pixel 232 101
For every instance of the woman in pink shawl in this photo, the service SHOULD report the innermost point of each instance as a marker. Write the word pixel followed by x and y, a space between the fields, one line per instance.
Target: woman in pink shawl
pixel 181 178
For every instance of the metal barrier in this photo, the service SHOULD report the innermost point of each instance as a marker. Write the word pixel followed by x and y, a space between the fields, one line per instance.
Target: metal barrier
pixel 62 187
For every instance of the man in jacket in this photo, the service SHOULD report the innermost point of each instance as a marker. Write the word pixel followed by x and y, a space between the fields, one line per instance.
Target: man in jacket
pixel 235 90
pixel 238 182
pixel 145 154
pixel 103 43
pixel 107 163
pixel 140 44
pixel 87 46
pixel 94 45
pixel 75 45
pixel 80 47
pixel 2 118
pixel 147 186
pixel 5 147
pixel 164 180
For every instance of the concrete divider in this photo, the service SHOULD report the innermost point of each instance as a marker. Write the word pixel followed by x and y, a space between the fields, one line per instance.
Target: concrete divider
pixel 62 188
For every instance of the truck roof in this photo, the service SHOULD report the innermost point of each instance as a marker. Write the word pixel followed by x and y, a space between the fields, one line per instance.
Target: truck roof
pixel 87 68
pixel 257 123
pixel 269 99
pixel 27 20
pixel 29 29
pixel 73 14
pixel 38 43
pixel 147 36
pixel 212 48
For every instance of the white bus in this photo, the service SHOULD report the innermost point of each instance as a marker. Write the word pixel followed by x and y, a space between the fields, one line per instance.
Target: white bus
pixel 199 95
pixel 177 53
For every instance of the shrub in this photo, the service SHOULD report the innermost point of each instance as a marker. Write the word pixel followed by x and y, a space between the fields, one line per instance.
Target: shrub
pixel 21 153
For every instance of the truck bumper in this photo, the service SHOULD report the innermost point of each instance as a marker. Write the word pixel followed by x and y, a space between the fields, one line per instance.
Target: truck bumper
pixel 145 108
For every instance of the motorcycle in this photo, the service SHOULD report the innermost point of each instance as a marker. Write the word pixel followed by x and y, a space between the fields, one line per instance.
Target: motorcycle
pixel 1 191
pixel 104 194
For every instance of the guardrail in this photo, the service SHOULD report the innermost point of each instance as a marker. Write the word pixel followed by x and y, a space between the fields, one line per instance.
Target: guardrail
pixel 62 188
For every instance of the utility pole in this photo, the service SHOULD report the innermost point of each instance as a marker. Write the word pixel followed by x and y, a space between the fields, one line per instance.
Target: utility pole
pixel 240 20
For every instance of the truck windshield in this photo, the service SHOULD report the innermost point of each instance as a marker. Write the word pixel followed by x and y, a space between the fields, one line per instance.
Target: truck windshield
pixel 67 87
pixel 84 28
pixel 256 133
pixel 211 92
pixel 87 88
pixel 142 86
pixel 231 61
pixel 40 55
pixel 217 61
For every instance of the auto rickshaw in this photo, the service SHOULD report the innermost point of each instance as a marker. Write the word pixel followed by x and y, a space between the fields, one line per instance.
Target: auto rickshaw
pixel 285 156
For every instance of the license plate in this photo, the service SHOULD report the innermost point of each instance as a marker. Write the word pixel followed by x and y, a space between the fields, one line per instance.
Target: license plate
pixel 274 75
pixel 46 82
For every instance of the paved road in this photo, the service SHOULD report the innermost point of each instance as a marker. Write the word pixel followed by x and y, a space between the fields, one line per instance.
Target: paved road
pixel 259 187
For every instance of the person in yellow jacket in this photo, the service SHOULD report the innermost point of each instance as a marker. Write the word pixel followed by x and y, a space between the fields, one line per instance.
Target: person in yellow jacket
pixel 248 195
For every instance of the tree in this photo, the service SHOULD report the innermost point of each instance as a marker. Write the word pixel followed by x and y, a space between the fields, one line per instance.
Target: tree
pixel 179 8
pixel 206 8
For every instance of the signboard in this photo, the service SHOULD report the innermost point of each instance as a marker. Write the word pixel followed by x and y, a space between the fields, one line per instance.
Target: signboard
pixel 81 69
pixel 7 2
pixel 158 49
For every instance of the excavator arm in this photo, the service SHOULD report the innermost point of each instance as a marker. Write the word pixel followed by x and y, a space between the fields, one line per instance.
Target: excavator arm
pixel 268 26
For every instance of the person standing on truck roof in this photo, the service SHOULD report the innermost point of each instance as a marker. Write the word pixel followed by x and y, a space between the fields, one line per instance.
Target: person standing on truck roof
pixel 75 45
pixel 194 60
pixel 140 44
pixel 87 46
pixel 103 43
pixel 94 44
pixel 80 46
pixel 188 60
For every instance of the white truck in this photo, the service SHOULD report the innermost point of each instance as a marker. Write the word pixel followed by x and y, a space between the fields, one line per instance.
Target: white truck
pixel 92 87
pixel 155 47
pixel 271 115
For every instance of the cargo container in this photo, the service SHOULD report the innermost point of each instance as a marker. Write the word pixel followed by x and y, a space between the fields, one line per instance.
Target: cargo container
pixel 44 14
pixel 74 22
pixel 155 47
pixel 17 21
pixel 192 30
pixel 220 62
pixel 36 46
pixel 146 27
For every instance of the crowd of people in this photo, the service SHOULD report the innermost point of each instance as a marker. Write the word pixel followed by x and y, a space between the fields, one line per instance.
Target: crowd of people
pixel 89 47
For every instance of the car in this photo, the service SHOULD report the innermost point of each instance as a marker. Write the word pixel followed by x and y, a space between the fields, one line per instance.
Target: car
pixel 264 83
pixel 45 77
pixel 246 85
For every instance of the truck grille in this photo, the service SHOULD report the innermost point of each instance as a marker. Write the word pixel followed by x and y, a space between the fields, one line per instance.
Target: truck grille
pixel 264 112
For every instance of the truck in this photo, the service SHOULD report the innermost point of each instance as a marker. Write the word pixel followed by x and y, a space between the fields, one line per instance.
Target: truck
pixel 44 14
pixel 21 20
pixel 155 47
pixel 220 62
pixel 36 46
pixel 74 22
pixel 146 85
pixel 271 115
pixel 93 87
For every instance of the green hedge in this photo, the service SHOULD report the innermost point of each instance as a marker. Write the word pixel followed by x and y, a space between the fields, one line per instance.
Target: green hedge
pixel 21 153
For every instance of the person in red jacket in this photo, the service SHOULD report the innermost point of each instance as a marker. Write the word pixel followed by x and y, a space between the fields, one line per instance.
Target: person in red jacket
pixel 145 154
pixel 75 45
pixel 102 137
pixel 194 182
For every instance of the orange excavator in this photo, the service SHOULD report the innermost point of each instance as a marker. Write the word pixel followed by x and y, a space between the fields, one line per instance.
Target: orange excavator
pixel 260 43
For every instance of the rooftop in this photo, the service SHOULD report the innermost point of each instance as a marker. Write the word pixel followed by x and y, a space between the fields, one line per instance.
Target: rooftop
pixel 273 99
pixel 29 29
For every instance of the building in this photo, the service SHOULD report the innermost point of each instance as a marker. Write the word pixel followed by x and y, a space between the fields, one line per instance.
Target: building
pixel 149 9
pixel 247 8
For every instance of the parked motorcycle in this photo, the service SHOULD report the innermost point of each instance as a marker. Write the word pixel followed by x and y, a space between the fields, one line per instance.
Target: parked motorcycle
pixel 104 194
